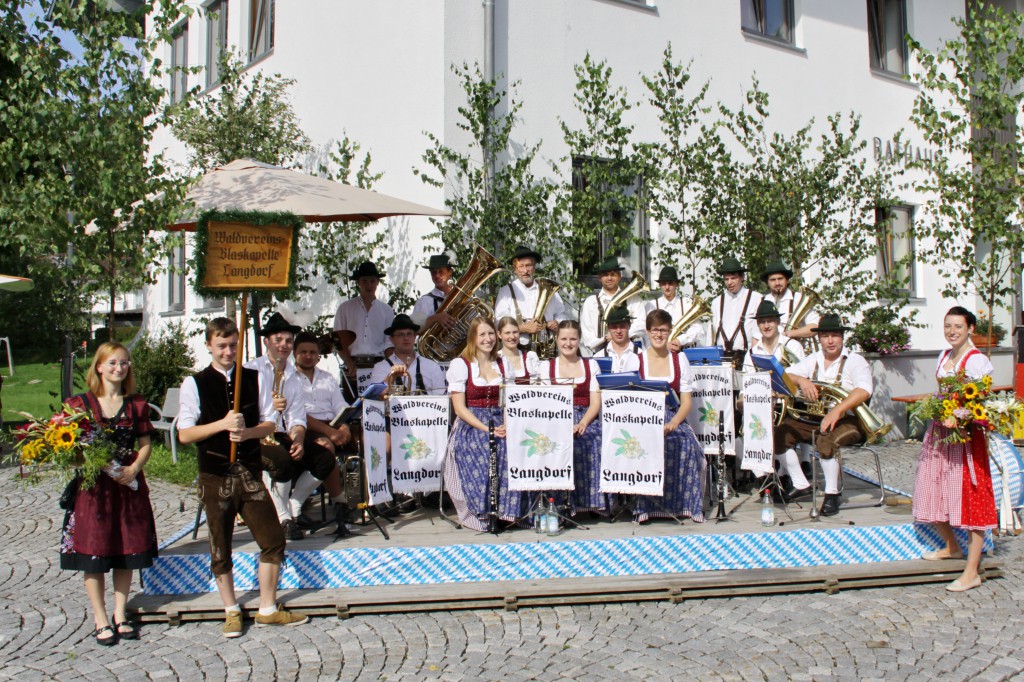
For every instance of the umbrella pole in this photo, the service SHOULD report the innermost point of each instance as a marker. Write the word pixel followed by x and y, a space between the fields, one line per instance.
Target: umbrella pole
pixel 238 371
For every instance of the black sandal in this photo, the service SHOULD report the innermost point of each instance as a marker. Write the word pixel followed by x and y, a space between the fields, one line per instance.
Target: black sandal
pixel 133 633
pixel 106 641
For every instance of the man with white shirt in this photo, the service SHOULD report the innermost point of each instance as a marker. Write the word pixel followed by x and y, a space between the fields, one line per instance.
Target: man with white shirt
pixel 594 336
pixel 519 298
pixel 423 373
pixel 833 364
pixel 776 276
pixel 620 348
pixel 732 313
pixel 442 274
pixel 771 342
pixel 360 322
pixel 671 302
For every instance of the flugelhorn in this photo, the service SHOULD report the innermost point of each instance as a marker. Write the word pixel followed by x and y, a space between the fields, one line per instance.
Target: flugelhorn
pixel 637 285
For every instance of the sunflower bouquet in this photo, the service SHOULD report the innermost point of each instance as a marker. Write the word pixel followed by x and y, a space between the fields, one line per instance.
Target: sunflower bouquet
pixel 963 403
pixel 69 442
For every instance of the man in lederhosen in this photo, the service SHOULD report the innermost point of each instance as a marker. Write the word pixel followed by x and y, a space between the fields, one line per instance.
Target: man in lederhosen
pixel 733 327
pixel 519 298
pixel 360 322
pixel 442 274
pixel 776 276
pixel 676 305
pixel 592 323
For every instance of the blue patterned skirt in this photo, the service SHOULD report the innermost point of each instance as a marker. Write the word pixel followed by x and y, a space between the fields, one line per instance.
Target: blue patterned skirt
pixel 586 462
pixel 467 468
pixel 685 471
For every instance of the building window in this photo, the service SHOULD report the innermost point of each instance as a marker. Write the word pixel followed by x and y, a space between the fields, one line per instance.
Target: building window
pixel 896 247
pixel 637 254
pixel 176 279
pixel 261 28
pixel 769 18
pixel 887 30
pixel 207 303
pixel 179 64
pixel 216 39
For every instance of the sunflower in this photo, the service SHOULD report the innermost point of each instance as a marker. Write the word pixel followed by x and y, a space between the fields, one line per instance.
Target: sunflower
pixel 62 438
pixel 31 451
pixel 971 391
pixel 948 406
pixel 979 412
pixel 986 382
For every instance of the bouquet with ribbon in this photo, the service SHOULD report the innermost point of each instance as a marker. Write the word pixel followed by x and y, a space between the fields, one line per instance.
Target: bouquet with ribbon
pixel 70 442
pixel 962 404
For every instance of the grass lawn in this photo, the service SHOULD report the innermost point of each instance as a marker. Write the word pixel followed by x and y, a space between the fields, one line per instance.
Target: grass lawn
pixel 34 388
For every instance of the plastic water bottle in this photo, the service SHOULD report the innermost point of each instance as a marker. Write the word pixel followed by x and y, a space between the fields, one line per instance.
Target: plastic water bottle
pixel 767 509
pixel 552 517
pixel 540 519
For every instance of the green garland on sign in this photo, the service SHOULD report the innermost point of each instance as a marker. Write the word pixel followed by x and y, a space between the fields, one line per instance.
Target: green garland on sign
pixel 202 236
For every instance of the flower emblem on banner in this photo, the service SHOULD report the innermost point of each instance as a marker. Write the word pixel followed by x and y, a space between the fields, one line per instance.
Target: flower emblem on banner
pixel 375 458
pixel 629 446
pixel 756 428
pixel 708 414
pixel 538 444
pixel 416 448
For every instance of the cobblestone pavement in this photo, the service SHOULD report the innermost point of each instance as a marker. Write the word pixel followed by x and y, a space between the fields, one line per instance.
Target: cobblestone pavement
pixel 901 633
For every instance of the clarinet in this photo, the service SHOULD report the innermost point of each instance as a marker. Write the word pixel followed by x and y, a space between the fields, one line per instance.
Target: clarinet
pixel 720 468
pixel 492 514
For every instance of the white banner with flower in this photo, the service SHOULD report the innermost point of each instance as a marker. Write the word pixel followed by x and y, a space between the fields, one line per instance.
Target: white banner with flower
pixel 538 433
pixel 375 444
pixel 633 442
pixel 712 407
pixel 758 433
pixel 419 436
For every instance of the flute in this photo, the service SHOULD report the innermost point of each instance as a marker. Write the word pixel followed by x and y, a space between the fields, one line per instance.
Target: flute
pixel 492 515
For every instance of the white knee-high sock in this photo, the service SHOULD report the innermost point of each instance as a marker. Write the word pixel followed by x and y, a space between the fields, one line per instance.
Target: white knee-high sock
pixel 830 467
pixel 791 466
pixel 304 486
pixel 279 493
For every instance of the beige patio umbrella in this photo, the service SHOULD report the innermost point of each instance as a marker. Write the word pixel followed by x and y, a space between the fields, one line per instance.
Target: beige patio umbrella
pixel 12 283
pixel 247 185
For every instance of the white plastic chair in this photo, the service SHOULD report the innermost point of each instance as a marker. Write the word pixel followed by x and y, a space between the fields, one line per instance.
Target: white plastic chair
pixel 167 419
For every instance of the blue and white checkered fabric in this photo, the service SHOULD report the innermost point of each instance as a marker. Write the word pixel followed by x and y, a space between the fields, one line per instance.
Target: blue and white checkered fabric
pixel 1006 465
pixel 189 574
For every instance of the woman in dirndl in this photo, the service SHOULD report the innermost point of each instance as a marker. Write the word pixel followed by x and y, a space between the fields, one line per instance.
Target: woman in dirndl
pixel 685 466
pixel 475 379
pixel 524 363
pixel 953 487
pixel 569 368
pixel 111 527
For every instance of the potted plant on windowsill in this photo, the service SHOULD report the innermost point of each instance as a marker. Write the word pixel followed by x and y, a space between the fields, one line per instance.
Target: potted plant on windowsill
pixel 987 333
pixel 881 332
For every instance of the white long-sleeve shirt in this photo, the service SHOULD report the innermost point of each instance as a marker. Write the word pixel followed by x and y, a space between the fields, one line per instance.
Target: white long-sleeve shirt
pixel 591 312
pixel 295 410
pixel 526 299
pixel 692 335
pixel 727 311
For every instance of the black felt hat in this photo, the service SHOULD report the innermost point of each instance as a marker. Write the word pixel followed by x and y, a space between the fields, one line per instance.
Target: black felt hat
pixel 523 251
pixel 667 274
pixel 276 324
pixel 619 314
pixel 401 321
pixel 830 323
pixel 776 267
pixel 730 266
pixel 367 269
pixel 766 310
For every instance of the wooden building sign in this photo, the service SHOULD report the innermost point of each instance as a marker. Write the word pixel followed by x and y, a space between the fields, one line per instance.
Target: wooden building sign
pixel 245 256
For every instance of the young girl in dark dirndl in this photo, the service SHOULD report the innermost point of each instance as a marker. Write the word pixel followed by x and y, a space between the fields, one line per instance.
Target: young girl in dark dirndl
pixel 475 379
pixel 569 368
pixel 112 527
pixel 685 465
pixel 953 487
pixel 524 363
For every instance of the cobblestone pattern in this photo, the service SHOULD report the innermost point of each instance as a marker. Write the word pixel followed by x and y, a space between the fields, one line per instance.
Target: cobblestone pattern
pixel 904 633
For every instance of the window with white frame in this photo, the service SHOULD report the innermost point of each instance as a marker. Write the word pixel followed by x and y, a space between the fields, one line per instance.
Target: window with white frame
pixel 216 39
pixel 887 30
pixel 896 246
pixel 179 63
pixel 769 18
pixel 176 279
pixel 261 28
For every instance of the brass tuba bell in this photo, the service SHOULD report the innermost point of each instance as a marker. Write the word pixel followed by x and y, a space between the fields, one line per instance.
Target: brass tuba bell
pixel 636 286
pixel 697 310
pixel 542 342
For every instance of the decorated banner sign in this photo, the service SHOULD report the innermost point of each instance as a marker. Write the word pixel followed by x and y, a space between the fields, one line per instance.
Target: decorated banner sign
pixel 363 375
pixel 375 443
pixel 632 442
pixel 758 417
pixel 712 396
pixel 419 436
pixel 538 429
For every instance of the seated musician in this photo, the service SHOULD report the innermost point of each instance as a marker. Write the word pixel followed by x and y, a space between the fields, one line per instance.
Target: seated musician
pixel 620 349
pixel 474 381
pixel 523 362
pixel 592 320
pixel 424 374
pixel 425 312
pixel 781 347
pixel 519 298
pixel 675 305
pixel 776 276
pixel 732 322
pixel 568 367
pixel 323 401
pixel 360 322
pixel 832 364
pixel 685 465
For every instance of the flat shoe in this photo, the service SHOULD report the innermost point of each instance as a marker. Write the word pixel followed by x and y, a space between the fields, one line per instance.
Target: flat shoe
pixel 106 641
pixel 957 586
pixel 132 633
pixel 935 556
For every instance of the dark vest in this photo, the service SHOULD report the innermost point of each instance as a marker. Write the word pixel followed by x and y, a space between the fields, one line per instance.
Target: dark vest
pixel 483 396
pixel 215 396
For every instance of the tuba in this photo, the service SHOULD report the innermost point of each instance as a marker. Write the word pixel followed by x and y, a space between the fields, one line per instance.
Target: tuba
pixel 809 299
pixel 442 345
pixel 830 395
pixel 698 309
pixel 636 286
pixel 542 343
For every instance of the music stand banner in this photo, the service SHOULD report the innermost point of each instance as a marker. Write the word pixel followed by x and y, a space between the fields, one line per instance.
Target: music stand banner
pixel 419 436
pixel 758 423
pixel 375 444
pixel 633 442
pixel 712 403
pixel 538 431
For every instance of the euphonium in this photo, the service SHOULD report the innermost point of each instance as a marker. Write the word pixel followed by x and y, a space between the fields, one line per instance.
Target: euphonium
pixel 541 342
pixel 442 345
pixel 636 286
pixel 830 395
pixel 698 309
